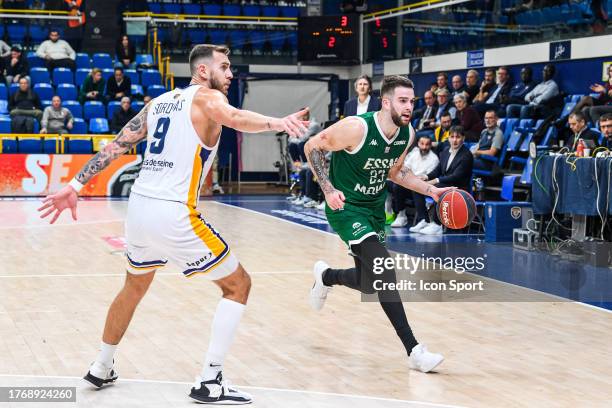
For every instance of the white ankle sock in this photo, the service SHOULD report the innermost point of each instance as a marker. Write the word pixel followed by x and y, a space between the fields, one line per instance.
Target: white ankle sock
pixel 224 325
pixel 106 354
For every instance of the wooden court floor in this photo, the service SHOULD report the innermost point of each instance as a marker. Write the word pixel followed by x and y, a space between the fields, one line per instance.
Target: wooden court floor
pixel 57 282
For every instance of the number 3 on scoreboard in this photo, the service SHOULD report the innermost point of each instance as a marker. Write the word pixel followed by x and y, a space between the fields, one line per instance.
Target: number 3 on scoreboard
pixel 163 124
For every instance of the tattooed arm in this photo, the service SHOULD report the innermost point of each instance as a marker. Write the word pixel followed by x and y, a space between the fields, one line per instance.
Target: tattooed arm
pixel 345 134
pixel 131 134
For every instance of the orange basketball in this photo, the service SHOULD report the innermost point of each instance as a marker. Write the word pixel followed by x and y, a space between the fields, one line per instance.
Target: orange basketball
pixel 456 209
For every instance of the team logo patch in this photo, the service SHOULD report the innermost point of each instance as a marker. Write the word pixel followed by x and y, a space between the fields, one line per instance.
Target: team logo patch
pixel 515 212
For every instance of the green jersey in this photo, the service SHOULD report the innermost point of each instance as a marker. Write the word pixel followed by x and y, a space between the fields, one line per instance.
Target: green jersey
pixel 362 173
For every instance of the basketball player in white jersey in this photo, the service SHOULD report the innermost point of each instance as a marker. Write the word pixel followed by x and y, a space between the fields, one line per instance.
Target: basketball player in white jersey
pixel 182 128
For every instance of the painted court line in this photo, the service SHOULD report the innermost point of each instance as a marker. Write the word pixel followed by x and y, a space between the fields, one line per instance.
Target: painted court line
pixel 331 394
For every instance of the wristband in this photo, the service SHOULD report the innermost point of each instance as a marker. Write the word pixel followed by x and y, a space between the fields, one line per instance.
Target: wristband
pixel 74 183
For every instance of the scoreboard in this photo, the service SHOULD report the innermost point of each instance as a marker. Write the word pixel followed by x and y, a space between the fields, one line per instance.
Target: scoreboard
pixel 329 39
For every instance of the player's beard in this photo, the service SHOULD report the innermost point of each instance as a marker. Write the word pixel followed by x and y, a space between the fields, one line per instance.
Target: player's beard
pixel 397 118
pixel 219 86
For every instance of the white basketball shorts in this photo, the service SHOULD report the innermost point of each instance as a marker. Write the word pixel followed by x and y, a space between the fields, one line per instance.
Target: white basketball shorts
pixel 160 231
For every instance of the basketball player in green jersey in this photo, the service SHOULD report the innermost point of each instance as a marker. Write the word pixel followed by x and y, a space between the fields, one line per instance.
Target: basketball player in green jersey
pixel 367 150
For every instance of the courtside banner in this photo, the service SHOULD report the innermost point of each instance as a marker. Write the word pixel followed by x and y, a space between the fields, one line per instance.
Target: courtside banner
pixel 42 174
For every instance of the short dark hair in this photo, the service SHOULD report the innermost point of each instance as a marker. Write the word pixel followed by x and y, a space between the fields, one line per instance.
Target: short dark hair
pixel 505 68
pixel 367 78
pixel 605 117
pixel 446 114
pixel 444 74
pixel 202 51
pixel 423 136
pixel 457 129
pixel 53 30
pixel 118 68
pixel 491 111
pixel 579 116
pixel 390 82
pixel 490 70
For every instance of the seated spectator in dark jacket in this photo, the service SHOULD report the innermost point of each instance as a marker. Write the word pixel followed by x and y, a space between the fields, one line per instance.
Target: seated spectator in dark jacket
pixel 580 130
pixel 442 82
pixel 24 107
pixel 458 85
pixel 122 115
pixel 118 86
pixel 16 65
pixel 520 89
pixel 454 170
pixel 497 93
pixel 605 125
pixel 126 52
pixel 444 105
pixel 488 83
pixel 93 87
pixel 490 143
pixel 538 99
pixel 427 115
pixel 468 118
pixel 56 119
pixel 364 102
pixel 471 87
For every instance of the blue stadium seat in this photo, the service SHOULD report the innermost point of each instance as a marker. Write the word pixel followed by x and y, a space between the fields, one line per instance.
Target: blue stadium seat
pixel 62 76
pixel 74 107
pixel 576 98
pixel 80 75
pixel 107 73
pixel 38 34
pixel 67 92
pixel 211 9
pixel 102 61
pixel 79 127
pixel 40 75
pixel 156 8
pixel 13 88
pixel 79 146
pixel 218 36
pixel 251 10
pixel 9 145
pixel 98 125
pixel 82 61
pixel 29 145
pixel 511 123
pixel 155 90
pixel 137 90
pixel 277 39
pixel 3 107
pixel 133 75
pixel 231 10
pixel 3 92
pixel 93 109
pixel 172 8
pixel 525 123
pixel 150 77
pixel 51 145
pixel 34 61
pixel 197 36
pixel 507 192
pixel 567 108
pixel 16 33
pixel 290 11
pixel 192 9
pixel 44 91
pixel 5 126
pixel 270 11
pixel 111 108
pixel 144 59
pixel 137 105
pixel 238 38
pixel 258 39
pixel 44 103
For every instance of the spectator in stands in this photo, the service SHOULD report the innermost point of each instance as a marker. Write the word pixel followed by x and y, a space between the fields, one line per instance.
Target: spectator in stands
pixel 490 143
pixel 454 169
pixel 468 118
pixel 485 87
pixel 471 88
pixel 24 107
pixel 56 52
pixel 420 161
pixel 539 98
pixel 458 85
pixel 364 102
pixel 5 50
pixel 517 94
pixel 605 125
pixel 93 87
pixel 578 125
pixel 122 115
pixel 442 81
pixel 442 132
pixel 17 66
pixel 593 108
pixel 126 52
pixel 146 99
pixel 118 86
pixel 500 91
pixel 444 106
pixel 56 119
pixel 427 115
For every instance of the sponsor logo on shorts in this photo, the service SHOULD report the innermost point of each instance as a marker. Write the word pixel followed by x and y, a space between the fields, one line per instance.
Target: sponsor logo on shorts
pixel 200 261
pixel 356 225
pixel 358 228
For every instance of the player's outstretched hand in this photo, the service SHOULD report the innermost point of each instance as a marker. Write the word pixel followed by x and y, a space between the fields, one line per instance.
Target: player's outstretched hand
pixel 436 192
pixel 67 197
pixel 335 199
pixel 294 124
